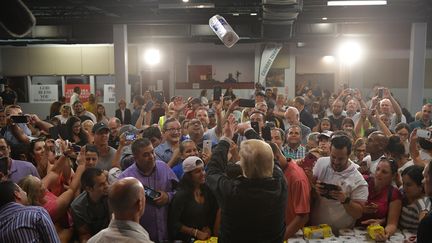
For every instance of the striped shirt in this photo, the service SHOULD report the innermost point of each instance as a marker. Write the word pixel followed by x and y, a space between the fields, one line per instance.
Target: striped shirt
pixel 27 224
pixel 409 218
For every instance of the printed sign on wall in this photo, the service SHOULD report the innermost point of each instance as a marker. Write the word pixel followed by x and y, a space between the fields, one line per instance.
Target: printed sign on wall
pixel 43 93
pixel 85 91
pixel 109 93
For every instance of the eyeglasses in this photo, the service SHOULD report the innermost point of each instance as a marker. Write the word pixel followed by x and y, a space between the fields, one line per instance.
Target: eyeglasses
pixel 173 130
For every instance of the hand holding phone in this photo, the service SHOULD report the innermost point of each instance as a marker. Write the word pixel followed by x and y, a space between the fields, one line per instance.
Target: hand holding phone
pixel 217 92
pixel 19 119
pixel 207 146
pixel 422 133
pixel 266 133
pixel 246 103
pixel 150 193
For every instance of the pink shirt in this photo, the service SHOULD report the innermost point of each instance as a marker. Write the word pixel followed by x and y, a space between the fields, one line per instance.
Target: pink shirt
pixel 381 199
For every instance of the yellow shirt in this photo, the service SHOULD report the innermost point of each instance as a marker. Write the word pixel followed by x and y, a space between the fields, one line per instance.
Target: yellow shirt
pixel 90 107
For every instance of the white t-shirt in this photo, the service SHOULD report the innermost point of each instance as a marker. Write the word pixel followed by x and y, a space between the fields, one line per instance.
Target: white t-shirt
pixel 332 212
pixel 372 164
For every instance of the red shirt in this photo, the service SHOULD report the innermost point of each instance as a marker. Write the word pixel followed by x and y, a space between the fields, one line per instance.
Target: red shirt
pixel 298 190
pixel 380 198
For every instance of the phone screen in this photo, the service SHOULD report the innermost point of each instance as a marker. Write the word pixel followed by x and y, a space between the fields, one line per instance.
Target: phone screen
pixel 159 96
pixel 130 137
pixel 150 193
pixel 246 103
pixel 217 93
pixel 255 126
pixel 207 145
pixel 19 119
pixel 380 93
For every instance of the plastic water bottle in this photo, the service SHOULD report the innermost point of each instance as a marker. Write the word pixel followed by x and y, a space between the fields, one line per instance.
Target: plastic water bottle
pixel 223 30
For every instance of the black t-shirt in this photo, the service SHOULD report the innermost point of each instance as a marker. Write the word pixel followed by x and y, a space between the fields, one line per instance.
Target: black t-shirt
pixel 424 233
pixel 186 211
pixel 336 123
pixel 8 97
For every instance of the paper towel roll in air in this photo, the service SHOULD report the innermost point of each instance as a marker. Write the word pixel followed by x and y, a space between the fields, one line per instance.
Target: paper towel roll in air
pixel 223 30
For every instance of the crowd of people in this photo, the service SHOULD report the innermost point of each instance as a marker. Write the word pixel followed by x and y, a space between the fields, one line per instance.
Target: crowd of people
pixel 192 168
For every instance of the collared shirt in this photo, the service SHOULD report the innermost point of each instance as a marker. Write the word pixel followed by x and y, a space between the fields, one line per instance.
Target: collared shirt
pixel 298 153
pixel 10 136
pixel 20 169
pixel 155 218
pixel 95 216
pixel 164 152
pixel 122 231
pixel 19 223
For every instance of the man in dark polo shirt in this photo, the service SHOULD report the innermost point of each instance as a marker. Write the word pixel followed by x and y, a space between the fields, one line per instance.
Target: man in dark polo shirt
pixel 90 209
pixel 9 96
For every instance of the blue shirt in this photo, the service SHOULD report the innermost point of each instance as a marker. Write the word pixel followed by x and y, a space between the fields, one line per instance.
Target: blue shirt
pixel 20 223
pixel 20 169
pixel 164 152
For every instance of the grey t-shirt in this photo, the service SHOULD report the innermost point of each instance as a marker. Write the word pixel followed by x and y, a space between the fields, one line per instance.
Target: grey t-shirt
pixel 105 162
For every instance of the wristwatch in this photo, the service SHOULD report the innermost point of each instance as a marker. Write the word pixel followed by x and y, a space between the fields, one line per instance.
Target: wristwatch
pixel 347 200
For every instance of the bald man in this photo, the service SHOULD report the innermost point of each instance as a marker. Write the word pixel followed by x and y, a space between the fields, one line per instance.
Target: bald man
pixel 389 107
pixel 376 145
pixel 127 199
pixel 292 117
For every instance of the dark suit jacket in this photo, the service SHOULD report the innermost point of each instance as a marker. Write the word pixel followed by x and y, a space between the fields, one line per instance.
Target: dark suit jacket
pixel 127 116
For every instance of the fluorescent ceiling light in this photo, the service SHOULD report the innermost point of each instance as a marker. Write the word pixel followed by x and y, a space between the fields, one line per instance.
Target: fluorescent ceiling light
pixel 253 14
pixel 236 14
pixel 356 3
pixel 324 18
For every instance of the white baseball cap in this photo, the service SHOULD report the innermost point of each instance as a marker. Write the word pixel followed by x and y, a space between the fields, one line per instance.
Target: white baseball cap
pixel 191 163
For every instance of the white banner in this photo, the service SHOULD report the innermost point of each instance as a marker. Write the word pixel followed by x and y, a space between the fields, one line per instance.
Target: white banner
pixel 268 56
pixel 43 93
pixel 109 93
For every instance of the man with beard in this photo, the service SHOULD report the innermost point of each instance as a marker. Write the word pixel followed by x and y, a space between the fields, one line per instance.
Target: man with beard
pixel 90 209
pixel 342 204
pixel 337 117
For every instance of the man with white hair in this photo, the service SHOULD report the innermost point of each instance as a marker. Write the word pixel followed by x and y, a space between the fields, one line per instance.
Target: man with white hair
pixel 389 107
pixel 292 117
pixel 252 205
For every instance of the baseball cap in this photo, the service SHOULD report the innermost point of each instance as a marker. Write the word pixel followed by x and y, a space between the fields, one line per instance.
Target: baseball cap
pixel 326 134
pixel 99 127
pixel 130 129
pixel 191 163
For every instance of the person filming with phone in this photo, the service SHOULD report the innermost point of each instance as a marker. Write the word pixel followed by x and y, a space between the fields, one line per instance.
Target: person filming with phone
pixel 342 190
pixel 158 180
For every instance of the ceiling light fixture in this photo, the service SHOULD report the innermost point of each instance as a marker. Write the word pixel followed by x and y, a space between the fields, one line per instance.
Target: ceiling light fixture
pixel 253 14
pixel 185 1
pixel 324 18
pixel 356 3
pixel 236 14
pixel 152 56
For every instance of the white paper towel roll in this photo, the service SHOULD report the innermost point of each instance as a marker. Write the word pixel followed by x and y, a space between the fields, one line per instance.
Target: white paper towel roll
pixel 223 30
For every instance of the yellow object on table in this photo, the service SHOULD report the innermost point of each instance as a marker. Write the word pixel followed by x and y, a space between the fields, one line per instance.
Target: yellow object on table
pixel 317 232
pixel 211 240
pixel 375 229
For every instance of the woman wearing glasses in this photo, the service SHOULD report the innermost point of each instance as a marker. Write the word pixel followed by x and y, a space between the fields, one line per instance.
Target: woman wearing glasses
pixel 384 201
